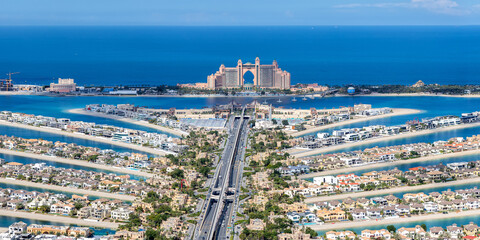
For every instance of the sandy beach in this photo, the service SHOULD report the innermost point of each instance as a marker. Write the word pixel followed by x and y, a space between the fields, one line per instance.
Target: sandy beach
pixel 250 96
pixel 392 190
pixel 76 162
pixel 390 164
pixel 175 132
pixel 13 93
pixel 393 221
pixel 381 139
pixel 396 112
pixel 87 137
pixel 122 197
pixel 58 219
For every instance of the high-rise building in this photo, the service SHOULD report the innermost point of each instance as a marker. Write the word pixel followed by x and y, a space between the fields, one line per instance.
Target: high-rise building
pixel 64 85
pixel 264 76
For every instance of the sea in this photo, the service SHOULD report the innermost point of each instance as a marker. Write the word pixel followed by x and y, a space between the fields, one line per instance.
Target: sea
pixel 328 55
pixel 333 55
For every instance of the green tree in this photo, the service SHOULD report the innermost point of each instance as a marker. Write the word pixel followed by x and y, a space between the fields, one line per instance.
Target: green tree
pixel 177 174
pixel 310 231
pixel 44 209
pixel 424 226
pixel 151 234
pixel 391 228
pixel 78 205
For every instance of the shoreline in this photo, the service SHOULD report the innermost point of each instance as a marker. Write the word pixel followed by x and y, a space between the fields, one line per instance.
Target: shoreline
pixel 396 112
pixel 415 95
pixel 392 221
pixel 122 197
pixel 46 94
pixel 381 139
pixel 86 137
pixel 58 219
pixel 317 95
pixel 75 162
pixel 175 132
pixel 390 164
pixel 392 190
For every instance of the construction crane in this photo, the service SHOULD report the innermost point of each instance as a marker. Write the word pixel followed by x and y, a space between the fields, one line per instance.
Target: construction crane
pixel 8 82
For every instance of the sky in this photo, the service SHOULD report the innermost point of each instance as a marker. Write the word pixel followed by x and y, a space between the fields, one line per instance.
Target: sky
pixel 239 13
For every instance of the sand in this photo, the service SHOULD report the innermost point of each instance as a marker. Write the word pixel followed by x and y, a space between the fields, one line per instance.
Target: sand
pixel 175 132
pixel 246 96
pixel 396 112
pixel 11 93
pixel 87 137
pixel 382 139
pixel 76 162
pixel 390 164
pixel 58 219
pixel 428 217
pixel 392 190
pixel 79 191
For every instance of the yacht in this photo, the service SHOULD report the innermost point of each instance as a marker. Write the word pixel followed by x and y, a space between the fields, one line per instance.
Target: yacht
pixel 304 98
pixel 279 101
pixel 294 99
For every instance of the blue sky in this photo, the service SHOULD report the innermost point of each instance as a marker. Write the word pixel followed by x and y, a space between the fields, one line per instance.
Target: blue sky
pixel 244 12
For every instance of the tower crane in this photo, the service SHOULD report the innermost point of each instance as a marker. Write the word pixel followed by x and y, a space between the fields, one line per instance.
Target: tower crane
pixel 8 82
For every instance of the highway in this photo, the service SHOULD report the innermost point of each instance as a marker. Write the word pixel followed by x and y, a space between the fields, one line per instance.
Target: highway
pixel 218 211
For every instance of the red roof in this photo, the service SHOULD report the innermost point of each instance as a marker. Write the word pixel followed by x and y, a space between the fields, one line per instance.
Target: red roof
pixel 416 168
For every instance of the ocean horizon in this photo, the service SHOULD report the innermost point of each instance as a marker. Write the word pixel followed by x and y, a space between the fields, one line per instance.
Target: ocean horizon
pixel 329 55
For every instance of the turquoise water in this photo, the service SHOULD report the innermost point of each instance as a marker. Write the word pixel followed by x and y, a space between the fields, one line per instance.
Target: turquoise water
pixel 431 223
pixel 435 189
pixel 159 55
pixel 7 221
pixel 58 106
pixel 26 133
pixel 406 166
pixel 17 187
pixel 429 190
pixel 26 160
pixel 428 138
pixel 431 106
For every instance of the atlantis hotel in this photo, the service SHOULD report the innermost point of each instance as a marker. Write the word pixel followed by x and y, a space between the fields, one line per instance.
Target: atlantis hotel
pixel 264 76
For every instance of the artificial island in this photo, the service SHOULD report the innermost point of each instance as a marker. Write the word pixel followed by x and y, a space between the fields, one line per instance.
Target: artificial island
pixel 258 170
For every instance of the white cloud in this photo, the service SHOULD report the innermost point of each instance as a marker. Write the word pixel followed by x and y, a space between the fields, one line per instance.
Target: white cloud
pixel 438 6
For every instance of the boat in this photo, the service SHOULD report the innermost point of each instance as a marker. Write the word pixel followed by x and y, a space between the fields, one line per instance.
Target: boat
pixel 294 99
pixel 265 102
pixel 279 101
pixel 304 98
